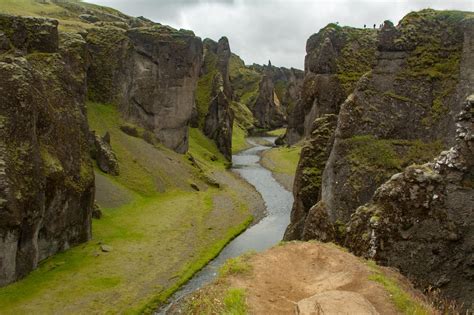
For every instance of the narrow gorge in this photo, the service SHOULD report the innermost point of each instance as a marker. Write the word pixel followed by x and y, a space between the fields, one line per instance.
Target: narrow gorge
pixel 147 170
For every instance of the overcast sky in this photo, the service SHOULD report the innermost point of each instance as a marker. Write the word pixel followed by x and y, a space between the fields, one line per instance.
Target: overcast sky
pixel 276 30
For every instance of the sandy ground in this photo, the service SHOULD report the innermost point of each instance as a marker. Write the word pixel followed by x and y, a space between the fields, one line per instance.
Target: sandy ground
pixel 308 278
pixel 285 275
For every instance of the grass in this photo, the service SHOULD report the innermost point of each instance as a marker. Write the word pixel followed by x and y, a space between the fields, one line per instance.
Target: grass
pixel 68 21
pixel 160 238
pixel 237 265
pixel 282 159
pixel 402 300
pixel 234 302
pixel 277 132
pixel 238 139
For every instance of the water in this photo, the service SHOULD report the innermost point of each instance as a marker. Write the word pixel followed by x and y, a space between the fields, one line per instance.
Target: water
pixel 266 233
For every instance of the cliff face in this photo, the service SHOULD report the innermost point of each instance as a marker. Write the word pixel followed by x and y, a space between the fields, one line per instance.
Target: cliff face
pixel 279 90
pixel 425 214
pixel 46 177
pixel 151 72
pixel 401 112
pixel 336 58
pixel 214 96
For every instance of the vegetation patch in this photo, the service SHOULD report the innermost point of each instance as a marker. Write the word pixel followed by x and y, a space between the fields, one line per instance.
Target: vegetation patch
pixel 403 300
pixel 239 143
pixel 160 236
pixel 282 159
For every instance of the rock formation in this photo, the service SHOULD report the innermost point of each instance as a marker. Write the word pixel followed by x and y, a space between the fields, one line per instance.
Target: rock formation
pixel 46 176
pixel 102 152
pixel 151 73
pixel 421 221
pixel 336 58
pixel 278 91
pixel 400 112
pixel 214 96
pixel 263 95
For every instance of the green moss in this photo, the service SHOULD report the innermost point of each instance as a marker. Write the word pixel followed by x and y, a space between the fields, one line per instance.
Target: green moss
pixel 356 58
pixel 245 81
pixel 393 95
pixel 403 301
pixel 381 158
pixel 243 116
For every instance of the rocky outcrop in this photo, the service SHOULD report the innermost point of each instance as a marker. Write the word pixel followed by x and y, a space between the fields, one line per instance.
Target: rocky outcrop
pixel 46 176
pixel 102 152
pixel 277 93
pixel 336 58
pixel 421 221
pixel 150 72
pixel 307 184
pixel 400 113
pixel 214 113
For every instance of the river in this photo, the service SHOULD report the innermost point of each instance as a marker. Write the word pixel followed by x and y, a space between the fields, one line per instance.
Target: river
pixel 263 235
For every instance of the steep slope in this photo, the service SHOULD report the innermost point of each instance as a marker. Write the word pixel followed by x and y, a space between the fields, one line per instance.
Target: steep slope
pixel 46 178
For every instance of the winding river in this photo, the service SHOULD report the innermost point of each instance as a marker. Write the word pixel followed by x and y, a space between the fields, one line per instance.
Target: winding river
pixel 263 235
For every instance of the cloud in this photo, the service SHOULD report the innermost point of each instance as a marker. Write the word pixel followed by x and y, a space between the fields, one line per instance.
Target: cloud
pixel 276 30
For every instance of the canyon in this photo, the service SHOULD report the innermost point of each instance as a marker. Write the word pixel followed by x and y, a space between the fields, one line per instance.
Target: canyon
pixel 118 133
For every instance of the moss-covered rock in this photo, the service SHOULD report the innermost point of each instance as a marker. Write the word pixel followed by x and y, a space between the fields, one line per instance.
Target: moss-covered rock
pixel 336 59
pixel 421 220
pixel 46 177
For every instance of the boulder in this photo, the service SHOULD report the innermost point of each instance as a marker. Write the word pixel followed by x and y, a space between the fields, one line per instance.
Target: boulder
pixel 104 155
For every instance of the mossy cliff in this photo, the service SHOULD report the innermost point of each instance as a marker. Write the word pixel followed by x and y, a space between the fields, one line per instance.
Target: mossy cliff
pixel 336 57
pixel 151 73
pixel 213 112
pixel 424 214
pixel 263 95
pixel 46 177
pixel 401 112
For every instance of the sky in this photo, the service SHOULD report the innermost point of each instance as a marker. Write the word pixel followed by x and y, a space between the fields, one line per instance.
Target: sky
pixel 276 30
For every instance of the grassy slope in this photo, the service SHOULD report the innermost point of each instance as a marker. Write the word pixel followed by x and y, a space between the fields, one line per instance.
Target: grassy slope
pixel 68 21
pixel 282 160
pixel 159 239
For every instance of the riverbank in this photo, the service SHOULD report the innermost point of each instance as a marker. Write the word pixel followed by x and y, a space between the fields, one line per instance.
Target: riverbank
pixel 163 219
pixel 282 162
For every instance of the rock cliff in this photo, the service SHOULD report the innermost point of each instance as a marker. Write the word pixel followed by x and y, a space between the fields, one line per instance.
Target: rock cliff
pixel 336 58
pixel 401 112
pixel 421 221
pixel 151 73
pixel 214 96
pixel 46 177
pixel 277 94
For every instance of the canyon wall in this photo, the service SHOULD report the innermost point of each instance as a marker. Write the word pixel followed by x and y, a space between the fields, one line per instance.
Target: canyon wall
pixel 46 176
pixel 401 112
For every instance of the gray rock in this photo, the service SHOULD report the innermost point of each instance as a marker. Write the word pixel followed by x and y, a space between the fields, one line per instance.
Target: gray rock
pixel 46 176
